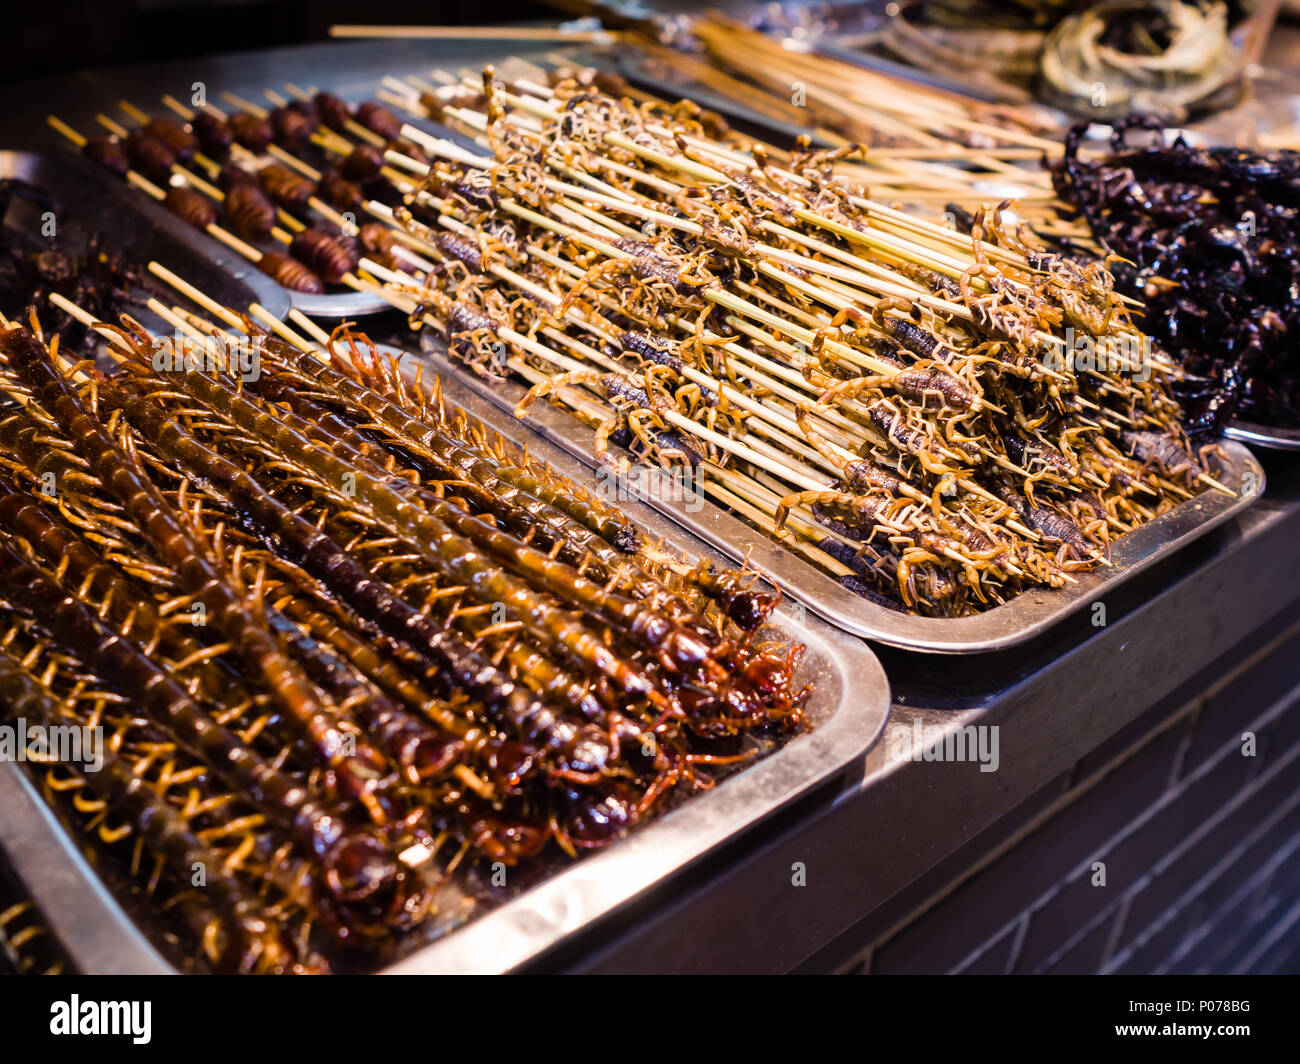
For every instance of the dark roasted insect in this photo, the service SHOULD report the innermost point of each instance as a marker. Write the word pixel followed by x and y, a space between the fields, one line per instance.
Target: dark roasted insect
pixel 363 164
pixel 285 187
pixel 249 213
pixel 232 174
pixel 252 131
pixel 334 113
pixel 174 135
pixel 293 127
pixel 326 255
pixel 377 238
pixel 339 192
pixel 70 261
pixel 194 207
pixel 1205 238
pixel 290 273
pixel 108 153
pixel 379 119
pixel 213 133
pixel 152 157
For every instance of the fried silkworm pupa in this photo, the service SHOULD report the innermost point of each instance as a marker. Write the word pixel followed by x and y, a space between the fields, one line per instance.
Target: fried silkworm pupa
pixel 334 112
pixel 363 164
pixel 290 273
pixel 325 254
pixel 213 132
pixel 291 127
pixel 252 132
pixel 285 187
pixel 339 192
pixel 151 156
pixel 383 191
pixel 379 119
pixel 232 175
pixel 174 135
pixel 108 153
pixel 195 208
pixel 250 214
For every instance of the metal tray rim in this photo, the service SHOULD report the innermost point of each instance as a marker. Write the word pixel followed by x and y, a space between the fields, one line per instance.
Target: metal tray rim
pixel 1268 436
pixel 46 856
pixel 1008 625
pixel 74 902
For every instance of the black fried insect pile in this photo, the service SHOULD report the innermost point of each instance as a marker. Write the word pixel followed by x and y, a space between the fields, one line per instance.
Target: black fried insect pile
pixel 1210 236
pixel 71 262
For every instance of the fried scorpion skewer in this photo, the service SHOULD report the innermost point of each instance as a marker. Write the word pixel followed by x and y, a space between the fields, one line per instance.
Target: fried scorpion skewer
pixel 983 326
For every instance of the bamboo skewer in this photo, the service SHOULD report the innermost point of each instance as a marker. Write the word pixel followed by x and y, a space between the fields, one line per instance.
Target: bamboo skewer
pixel 519 33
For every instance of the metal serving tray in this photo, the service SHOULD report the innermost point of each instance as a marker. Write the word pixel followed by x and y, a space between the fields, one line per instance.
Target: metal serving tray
pixel 1007 625
pixel 848 709
pixel 139 229
pixel 1275 439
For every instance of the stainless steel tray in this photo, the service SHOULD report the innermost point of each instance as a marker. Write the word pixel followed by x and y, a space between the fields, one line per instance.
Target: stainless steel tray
pixel 1275 439
pixel 848 709
pixel 339 305
pixel 1007 625
pixel 135 226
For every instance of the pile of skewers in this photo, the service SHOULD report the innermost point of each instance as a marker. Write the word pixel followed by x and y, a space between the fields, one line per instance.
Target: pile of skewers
pixel 347 650
pixel 937 421
pixel 864 105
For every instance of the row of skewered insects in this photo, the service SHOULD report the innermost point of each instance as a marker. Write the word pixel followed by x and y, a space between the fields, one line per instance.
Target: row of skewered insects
pixel 359 661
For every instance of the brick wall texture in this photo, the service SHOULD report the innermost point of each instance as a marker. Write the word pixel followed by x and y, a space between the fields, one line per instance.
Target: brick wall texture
pixel 1175 847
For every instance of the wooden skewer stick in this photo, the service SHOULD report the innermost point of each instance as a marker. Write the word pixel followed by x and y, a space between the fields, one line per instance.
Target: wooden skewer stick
pixel 519 33
pixel 153 191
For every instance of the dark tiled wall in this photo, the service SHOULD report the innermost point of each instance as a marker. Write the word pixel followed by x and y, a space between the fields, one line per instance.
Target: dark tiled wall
pixel 1200 842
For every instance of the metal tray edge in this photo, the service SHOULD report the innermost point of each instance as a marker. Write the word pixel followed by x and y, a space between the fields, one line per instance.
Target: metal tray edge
pixel 1274 439
pixel 74 903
